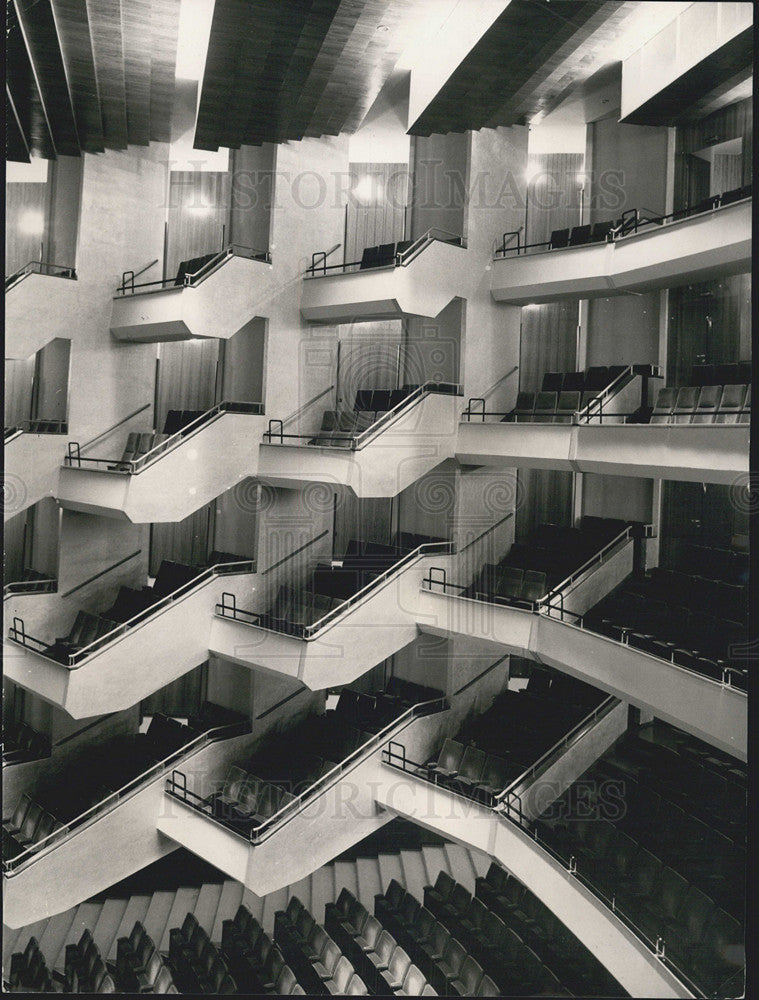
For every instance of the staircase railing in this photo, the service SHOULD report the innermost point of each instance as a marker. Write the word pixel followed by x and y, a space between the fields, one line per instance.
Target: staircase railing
pixel 320 269
pixel 176 784
pixel 41 848
pixel 128 286
pixel 40 267
pixel 17 632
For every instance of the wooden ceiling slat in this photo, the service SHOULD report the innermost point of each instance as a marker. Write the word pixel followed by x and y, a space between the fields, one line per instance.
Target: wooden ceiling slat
pixel 15 142
pixel 164 29
pixel 22 88
pixel 229 27
pixel 76 48
pixel 511 71
pixel 39 31
pixel 136 16
pixel 108 53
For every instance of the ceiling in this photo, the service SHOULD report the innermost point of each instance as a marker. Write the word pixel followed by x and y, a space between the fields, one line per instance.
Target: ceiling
pixel 89 75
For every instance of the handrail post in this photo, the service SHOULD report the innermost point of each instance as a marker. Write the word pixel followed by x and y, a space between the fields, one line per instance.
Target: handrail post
pixel 270 432
pixel 440 581
pixel 73 453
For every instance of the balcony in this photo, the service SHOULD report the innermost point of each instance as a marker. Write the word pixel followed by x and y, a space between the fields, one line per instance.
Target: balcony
pixel 334 649
pixel 643 253
pixel 311 829
pixel 376 454
pixel 70 865
pixel 177 475
pixel 417 279
pixel 601 437
pixel 41 303
pixel 550 631
pixel 214 301
pixel 127 661
pixel 33 453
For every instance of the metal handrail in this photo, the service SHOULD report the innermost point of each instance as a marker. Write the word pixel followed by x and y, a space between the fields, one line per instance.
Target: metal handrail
pixel 53 840
pixel 401 259
pixel 74 659
pixel 48 586
pixel 306 406
pixel 597 557
pixel 485 532
pixel 541 764
pixel 102 572
pixel 322 255
pixel 288 812
pixel 194 279
pixel 309 632
pixel 359 441
pixel 133 466
pixel 295 552
pixel 279 819
pixel 40 267
pixel 110 430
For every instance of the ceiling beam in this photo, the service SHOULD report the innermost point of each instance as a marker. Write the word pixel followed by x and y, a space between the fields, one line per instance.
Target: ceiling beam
pixel 108 53
pixel 76 49
pixel 24 95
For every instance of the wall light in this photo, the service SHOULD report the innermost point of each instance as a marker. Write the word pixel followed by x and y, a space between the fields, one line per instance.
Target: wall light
pixel 367 190
pixel 201 211
pixel 31 223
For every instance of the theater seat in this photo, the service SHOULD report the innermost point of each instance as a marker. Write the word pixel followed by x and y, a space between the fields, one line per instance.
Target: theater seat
pixel 559 238
pixel 706 407
pixel 665 404
pixel 579 236
pixel 730 404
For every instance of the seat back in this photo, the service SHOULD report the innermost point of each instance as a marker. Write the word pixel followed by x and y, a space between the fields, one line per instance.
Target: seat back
pixel 399 964
pixel 413 982
pixel 450 757
pixel 472 763
pixel 559 238
pixel 545 406
pixel 534 586
pixel 341 975
pixel 665 404
pixel 687 397
pixel 708 400
pixel 730 404
pixel 579 236
pixel 384 947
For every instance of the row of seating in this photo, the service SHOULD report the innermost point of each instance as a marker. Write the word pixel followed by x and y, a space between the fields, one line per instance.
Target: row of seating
pixel 382 960
pixel 699 624
pixel 668 871
pixel 383 255
pixel 196 963
pixel 328 586
pixel 319 964
pixel 496 746
pixel 509 910
pixel 712 561
pixel 709 404
pixel 29 824
pixel 139 965
pixel 735 373
pixel 28 971
pixel 253 959
pixel 129 603
pixel 85 969
pixel 21 743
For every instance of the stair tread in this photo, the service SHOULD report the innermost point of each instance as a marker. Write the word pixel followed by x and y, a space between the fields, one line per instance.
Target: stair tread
pixel 368 881
pixel 54 935
pixel 10 936
pixel 86 916
pixel 207 904
pixel 322 892
pixel 480 862
pixel 435 859
pixel 303 891
pixel 105 930
pixel 414 872
pixel 184 903
pixel 136 908
pixel 157 914
pixel 36 930
pixel 345 877
pixel 229 901
pixel 273 902
pixel 255 904
pixel 389 868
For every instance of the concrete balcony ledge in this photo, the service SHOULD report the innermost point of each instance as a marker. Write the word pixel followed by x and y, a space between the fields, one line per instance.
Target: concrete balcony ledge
pixel 430 275
pixel 709 453
pixel 709 245
pixel 178 477
pixel 41 306
pixel 229 294
pixel 31 469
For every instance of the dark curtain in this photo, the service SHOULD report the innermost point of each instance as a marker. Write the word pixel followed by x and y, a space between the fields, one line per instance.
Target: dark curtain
pixel 545 496
pixel 548 342
pixel 376 206
pixel 180 699
pixel 709 323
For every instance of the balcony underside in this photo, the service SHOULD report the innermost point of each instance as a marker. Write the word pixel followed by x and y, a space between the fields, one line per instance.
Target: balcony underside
pixel 703 247
pixel 39 309
pixel 708 453
pixel 423 287
pixel 461 820
pixel 703 707
pixel 414 444
pixel 217 307
pixel 177 483
pixel 31 469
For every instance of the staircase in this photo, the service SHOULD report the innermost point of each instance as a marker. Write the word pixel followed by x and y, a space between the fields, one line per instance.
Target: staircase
pixel 213 902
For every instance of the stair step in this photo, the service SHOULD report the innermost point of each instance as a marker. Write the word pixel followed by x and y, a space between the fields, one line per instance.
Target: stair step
pixel 86 916
pixel 368 880
pixel 480 862
pixel 434 861
pixel 184 903
pixel 136 908
pixel 255 904
pixel 231 897
pixel 157 914
pixel 389 868
pixel 54 935
pixel 273 902
pixel 207 904
pixel 345 877
pixel 414 873
pixel 106 928
pixel 322 892
pixel 303 890
pixel 10 936
pixel 35 930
